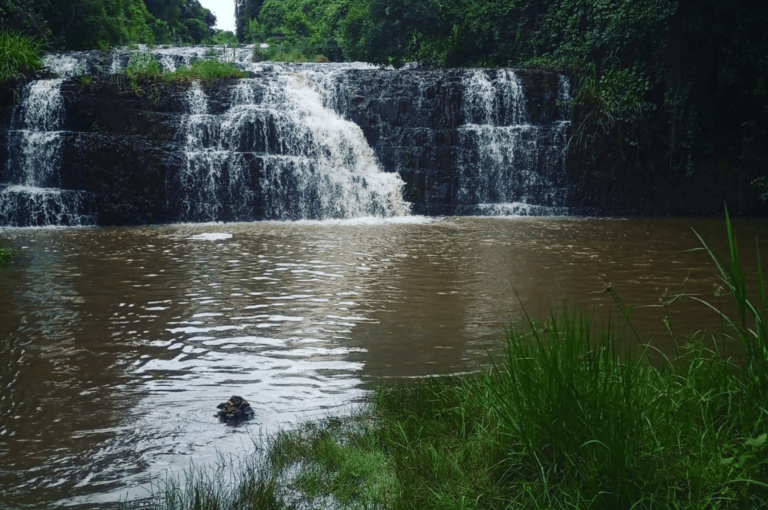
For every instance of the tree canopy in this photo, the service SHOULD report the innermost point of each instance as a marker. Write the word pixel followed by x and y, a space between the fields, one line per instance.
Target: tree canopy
pixel 88 24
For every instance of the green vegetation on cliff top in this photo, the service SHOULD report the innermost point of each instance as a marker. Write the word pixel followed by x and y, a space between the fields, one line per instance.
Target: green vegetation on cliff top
pixel 574 415
pixel 146 65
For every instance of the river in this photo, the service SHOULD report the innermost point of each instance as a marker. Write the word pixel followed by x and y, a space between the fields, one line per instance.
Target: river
pixel 118 343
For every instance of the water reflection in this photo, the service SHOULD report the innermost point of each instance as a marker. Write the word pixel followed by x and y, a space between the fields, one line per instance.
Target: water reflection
pixel 119 343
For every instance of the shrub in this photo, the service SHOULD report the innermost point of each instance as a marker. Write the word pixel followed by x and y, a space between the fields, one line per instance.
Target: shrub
pixel 143 65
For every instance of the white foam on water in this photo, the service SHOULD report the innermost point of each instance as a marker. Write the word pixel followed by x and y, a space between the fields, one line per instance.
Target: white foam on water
pixel 66 65
pixel 211 236
pixel 515 209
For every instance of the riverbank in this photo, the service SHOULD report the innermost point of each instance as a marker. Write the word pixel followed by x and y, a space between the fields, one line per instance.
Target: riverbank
pixel 567 418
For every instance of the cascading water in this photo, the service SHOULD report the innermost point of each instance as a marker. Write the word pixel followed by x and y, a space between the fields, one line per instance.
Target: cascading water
pixel 278 153
pixel 292 142
pixel 504 160
pixel 31 196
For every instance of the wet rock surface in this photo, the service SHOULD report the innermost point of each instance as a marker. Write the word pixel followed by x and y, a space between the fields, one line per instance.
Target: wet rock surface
pixel 233 410
pixel 416 122
pixel 124 141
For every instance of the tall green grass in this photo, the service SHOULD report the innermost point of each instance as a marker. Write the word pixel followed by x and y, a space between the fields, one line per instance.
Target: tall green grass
pixel 574 415
pixel 233 484
pixel 145 65
pixel 207 70
pixel 19 54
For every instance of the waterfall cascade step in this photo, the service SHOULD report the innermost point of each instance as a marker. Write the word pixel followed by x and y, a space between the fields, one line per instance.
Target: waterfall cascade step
pixel 294 141
pixel 25 206
pixel 30 198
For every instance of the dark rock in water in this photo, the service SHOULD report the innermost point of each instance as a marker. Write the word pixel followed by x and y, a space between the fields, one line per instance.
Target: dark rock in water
pixel 234 409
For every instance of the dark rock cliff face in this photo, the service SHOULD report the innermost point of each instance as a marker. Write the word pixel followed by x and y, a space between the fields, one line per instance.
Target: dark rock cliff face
pixel 123 140
pixel 463 141
pixel 416 123
pixel 121 147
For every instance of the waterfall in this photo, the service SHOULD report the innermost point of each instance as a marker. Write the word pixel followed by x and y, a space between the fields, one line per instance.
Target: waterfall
pixel 278 153
pixel 31 197
pixel 36 135
pixel 292 141
pixel 507 164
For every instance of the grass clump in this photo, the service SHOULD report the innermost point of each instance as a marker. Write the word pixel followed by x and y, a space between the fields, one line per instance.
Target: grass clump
pixel 144 65
pixel 574 415
pixel 207 70
pixel 19 54
pixel 242 484
pixel 334 460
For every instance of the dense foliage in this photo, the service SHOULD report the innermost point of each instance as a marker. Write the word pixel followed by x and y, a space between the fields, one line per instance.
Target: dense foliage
pixel 670 91
pixel 89 24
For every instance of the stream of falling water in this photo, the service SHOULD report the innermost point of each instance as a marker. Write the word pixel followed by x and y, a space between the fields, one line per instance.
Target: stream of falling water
pixel 31 195
pixel 279 153
pixel 283 147
pixel 499 136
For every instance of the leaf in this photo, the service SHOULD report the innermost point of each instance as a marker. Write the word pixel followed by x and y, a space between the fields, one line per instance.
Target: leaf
pixel 744 458
pixel 757 442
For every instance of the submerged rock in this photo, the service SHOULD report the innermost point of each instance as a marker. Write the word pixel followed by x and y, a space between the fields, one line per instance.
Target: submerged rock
pixel 234 409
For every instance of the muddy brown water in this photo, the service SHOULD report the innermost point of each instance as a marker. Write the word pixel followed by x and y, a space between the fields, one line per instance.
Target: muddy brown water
pixel 118 343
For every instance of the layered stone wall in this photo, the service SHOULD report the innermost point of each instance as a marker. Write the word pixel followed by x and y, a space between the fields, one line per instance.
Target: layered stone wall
pixel 123 141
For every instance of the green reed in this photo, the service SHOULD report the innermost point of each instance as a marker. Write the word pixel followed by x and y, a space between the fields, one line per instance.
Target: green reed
pixel 232 484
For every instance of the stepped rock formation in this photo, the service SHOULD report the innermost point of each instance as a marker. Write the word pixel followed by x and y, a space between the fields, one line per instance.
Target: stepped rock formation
pixel 294 141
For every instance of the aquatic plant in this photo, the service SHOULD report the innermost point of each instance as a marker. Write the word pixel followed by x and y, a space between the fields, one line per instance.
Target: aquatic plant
pixel 6 256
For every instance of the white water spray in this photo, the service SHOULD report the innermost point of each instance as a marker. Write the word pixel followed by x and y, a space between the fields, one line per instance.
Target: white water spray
pixel 505 160
pixel 32 197
pixel 279 153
